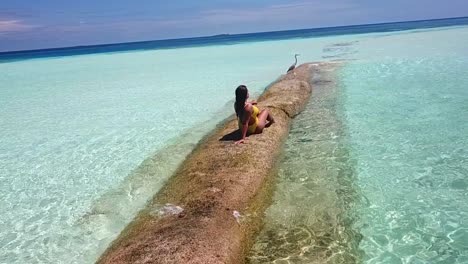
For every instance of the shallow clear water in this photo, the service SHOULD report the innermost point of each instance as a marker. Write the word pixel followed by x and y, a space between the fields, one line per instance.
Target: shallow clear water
pixel 74 128
pixel 375 169
pixel 309 220
pixel 86 140
pixel 408 125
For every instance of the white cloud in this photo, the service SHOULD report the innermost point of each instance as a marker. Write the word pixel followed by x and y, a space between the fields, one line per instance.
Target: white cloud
pixel 309 13
pixel 281 11
pixel 14 25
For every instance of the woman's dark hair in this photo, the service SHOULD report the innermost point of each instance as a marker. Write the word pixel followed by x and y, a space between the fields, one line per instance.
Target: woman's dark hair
pixel 241 97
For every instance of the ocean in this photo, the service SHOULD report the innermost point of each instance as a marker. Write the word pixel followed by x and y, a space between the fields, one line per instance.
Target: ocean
pixel 89 134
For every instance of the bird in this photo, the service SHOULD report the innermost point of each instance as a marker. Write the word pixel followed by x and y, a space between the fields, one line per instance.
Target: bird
pixel 292 67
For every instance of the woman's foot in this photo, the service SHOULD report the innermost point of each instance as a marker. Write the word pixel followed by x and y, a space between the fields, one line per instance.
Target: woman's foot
pixel 271 121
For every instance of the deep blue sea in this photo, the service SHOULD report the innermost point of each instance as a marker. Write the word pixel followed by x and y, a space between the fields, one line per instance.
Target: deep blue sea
pixel 228 39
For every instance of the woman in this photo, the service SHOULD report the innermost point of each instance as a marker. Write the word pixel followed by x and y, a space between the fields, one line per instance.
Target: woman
pixel 250 118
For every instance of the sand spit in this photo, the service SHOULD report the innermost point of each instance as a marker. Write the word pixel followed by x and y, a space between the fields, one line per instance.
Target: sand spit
pixel 213 205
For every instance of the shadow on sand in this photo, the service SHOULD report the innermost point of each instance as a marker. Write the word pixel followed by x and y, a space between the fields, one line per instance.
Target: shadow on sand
pixel 233 136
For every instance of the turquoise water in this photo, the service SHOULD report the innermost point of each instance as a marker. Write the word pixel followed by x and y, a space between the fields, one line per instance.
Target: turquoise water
pixel 87 140
pixel 81 133
pixel 408 125
pixel 315 199
pixel 75 128
pixel 375 169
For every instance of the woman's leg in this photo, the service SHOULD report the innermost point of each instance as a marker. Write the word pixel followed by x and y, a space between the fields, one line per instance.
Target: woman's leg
pixel 262 118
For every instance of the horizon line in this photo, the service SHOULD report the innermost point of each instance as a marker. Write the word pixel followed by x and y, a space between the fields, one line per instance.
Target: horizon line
pixel 215 35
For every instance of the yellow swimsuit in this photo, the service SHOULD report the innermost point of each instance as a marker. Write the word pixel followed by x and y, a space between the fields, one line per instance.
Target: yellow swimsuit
pixel 252 127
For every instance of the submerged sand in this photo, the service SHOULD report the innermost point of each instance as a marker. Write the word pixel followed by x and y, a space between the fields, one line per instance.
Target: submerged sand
pixel 217 181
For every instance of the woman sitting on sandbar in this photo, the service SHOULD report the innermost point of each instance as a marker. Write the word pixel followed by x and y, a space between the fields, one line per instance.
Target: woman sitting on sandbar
pixel 250 118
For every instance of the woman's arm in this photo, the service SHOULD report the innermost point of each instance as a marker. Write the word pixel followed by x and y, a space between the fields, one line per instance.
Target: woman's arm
pixel 245 127
pixel 245 124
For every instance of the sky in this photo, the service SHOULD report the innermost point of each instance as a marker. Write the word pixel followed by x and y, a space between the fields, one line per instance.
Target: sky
pixel 34 24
